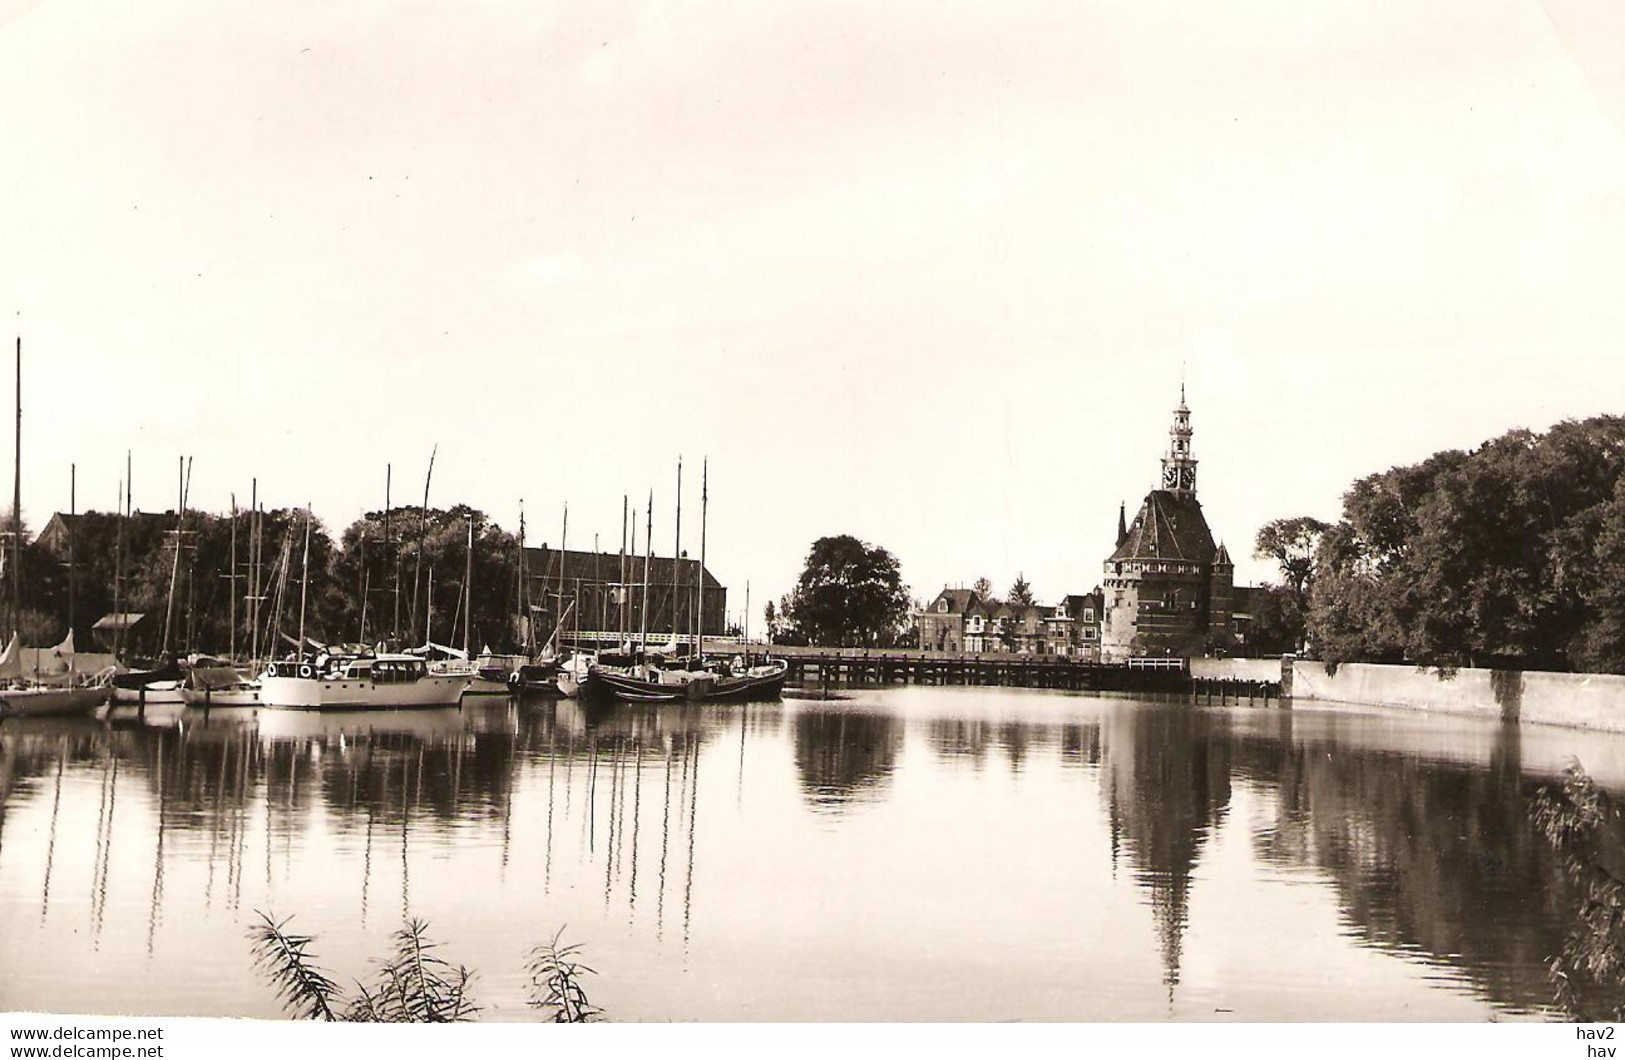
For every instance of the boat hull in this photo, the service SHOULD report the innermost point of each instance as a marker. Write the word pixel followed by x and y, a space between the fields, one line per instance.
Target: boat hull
pixel 485 684
pixel 156 693
pixel 765 682
pixel 339 693
pixel 535 677
pixel 205 698
pixel 50 702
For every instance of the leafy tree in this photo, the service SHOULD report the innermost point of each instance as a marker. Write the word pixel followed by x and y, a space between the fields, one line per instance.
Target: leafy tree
pixel 1502 556
pixel 373 563
pixel 1021 594
pixel 850 594
pixel 785 629
pixel 1292 543
pixel 983 588
pixel 1278 623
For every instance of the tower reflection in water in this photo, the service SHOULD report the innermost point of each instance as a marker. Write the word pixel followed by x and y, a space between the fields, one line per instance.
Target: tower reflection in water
pixel 138 852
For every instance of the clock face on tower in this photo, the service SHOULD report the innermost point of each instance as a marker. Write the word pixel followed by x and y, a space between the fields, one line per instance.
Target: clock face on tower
pixel 1170 478
pixel 1187 478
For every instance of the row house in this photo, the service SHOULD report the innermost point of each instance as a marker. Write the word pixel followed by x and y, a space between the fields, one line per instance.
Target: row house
pixel 959 620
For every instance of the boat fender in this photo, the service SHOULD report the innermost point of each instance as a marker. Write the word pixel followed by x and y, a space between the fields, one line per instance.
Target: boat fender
pixel 513 679
pixel 305 670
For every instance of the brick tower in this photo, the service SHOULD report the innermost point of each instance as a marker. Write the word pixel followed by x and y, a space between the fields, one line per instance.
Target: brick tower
pixel 1167 589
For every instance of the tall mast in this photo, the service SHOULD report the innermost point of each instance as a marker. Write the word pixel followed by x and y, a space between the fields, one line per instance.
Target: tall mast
pixel 428 610
pixel 705 473
pixel 564 537
pixel 118 575
pixel 191 563
pixel 423 515
pixel 527 627
pixel 366 587
pixel 118 552
pixel 175 565
pixel 17 505
pixel 648 555
pixel 304 583
pixel 677 554
pixel 231 596
pixel 73 515
pixel 620 606
pixel 468 589
pixel 634 569
pixel 389 551
pixel 255 551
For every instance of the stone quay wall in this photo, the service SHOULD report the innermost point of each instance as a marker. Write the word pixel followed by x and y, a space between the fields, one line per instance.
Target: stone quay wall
pixel 1583 701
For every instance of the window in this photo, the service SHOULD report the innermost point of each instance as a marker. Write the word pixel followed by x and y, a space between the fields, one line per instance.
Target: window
pixel 942 606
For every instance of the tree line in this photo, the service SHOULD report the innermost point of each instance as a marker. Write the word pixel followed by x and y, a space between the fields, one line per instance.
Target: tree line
pixel 1509 555
pixel 380 579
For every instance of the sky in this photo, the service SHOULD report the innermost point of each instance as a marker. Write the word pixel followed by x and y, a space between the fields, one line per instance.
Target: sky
pixel 928 273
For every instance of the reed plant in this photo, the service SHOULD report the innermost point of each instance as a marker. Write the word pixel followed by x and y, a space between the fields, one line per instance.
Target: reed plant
pixel 413 983
pixel 555 982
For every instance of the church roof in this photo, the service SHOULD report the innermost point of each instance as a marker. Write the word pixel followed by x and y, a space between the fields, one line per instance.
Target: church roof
pixel 1169 526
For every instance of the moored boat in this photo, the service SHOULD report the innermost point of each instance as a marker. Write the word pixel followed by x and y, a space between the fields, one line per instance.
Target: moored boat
pixel 42 701
pixel 219 686
pixel 712 679
pixel 373 682
pixel 159 686
pixel 494 674
pixel 53 691
pixel 572 673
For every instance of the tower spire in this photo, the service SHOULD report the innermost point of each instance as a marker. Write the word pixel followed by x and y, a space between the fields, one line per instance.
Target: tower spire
pixel 1122 523
pixel 1179 466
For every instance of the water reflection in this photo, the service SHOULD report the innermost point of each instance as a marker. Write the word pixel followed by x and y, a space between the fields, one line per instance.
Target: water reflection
pixel 843 756
pixel 1167 785
pixel 710 838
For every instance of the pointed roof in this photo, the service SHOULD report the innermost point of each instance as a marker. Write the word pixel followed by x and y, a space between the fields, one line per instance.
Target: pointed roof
pixel 1169 525
pixel 959 600
pixel 1223 555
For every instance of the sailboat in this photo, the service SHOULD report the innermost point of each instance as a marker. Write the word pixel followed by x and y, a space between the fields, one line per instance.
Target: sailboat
pixel 642 678
pixel 55 689
pixel 161 686
pixel 51 686
pixel 344 681
pixel 490 674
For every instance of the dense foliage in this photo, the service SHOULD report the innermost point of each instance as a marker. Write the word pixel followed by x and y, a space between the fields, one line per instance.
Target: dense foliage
pixel 850 594
pixel 1584 826
pixel 1510 555
pixel 369 561
pixel 1280 612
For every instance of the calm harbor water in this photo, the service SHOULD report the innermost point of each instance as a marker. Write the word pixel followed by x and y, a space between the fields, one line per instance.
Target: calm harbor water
pixel 906 854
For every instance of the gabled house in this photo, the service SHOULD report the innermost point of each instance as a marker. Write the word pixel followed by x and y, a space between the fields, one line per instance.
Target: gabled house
pixel 942 624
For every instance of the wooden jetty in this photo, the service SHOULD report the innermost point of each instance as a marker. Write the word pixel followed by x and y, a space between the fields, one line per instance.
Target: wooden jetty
pixel 860 667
